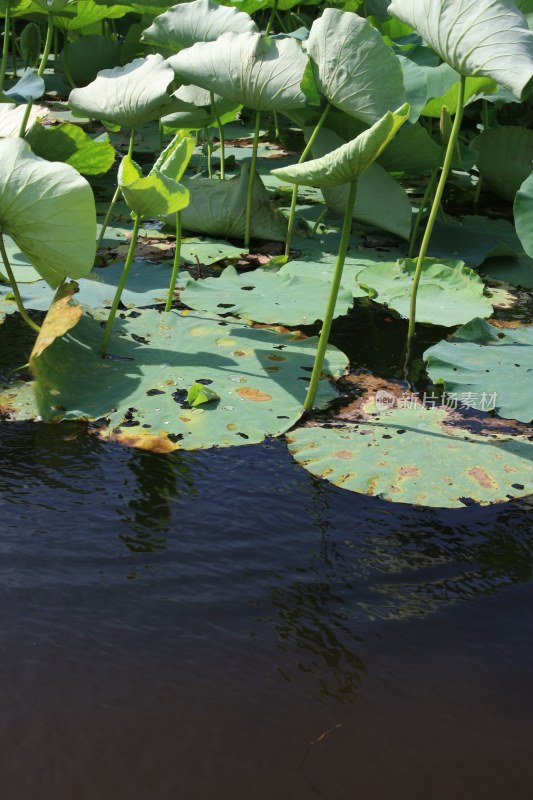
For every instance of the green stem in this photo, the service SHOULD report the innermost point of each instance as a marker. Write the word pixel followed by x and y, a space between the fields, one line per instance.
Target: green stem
pixel 40 71
pixel 294 196
pixel 5 47
pixel 436 204
pixel 66 68
pixel 209 153
pixel 18 299
pixel 121 284
pixel 251 178
pixel 176 266
pixel 334 291
pixel 220 136
pixel 14 72
pixel 427 193
pixel 319 220
pixel 271 18
pixel 114 199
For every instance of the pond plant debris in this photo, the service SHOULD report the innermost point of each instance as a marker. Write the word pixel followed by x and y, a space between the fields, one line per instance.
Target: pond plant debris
pixel 185 231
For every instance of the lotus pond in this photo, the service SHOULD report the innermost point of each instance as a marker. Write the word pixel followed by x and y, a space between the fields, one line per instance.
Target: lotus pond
pixel 266 385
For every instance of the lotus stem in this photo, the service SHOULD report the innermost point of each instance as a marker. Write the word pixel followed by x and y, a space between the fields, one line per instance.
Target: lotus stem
pixel 294 196
pixel 14 71
pixel 40 71
pixel 5 47
pixel 209 153
pixel 114 199
pixel 448 158
pixel 427 193
pixel 220 136
pixel 18 299
pixel 319 220
pixel 251 178
pixel 333 292
pixel 176 266
pixel 271 18
pixel 121 284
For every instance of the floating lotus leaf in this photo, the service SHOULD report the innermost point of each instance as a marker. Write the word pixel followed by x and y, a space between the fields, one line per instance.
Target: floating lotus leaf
pixel 523 214
pixel 155 195
pixel 260 375
pixel 200 21
pixel 129 95
pixel 473 239
pixel 483 38
pixel 353 67
pixel 147 285
pixel 194 109
pixel 411 455
pixel 323 268
pixel 484 360
pixel 70 144
pixel 217 208
pixel 265 296
pixel 517 270
pixel 48 209
pixel 349 161
pixel 505 156
pixel 246 68
pixel 380 200
pixel 447 295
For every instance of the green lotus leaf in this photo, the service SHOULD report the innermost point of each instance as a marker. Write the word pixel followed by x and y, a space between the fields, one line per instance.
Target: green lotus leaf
pixel 517 270
pixel 260 73
pixel 200 21
pixel 505 155
pixel 194 110
pixel 84 13
pixel 87 56
pixel 265 296
pixel 523 214
pixel 353 67
pixel 260 375
pixel 349 161
pixel 52 6
pixel 322 269
pixel 447 295
pixel 199 394
pixel 415 455
pixel 30 86
pixel 70 144
pixel 217 208
pixel 147 285
pixel 48 209
pixel 487 38
pixel 175 158
pixel 423 82
pixel 487 361
pixel 129 95
pixel 473 239
pixel 11 117
pixel 474 89
pixel 155 195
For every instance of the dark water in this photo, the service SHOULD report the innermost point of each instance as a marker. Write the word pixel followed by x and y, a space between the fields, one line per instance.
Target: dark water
pixel 221 625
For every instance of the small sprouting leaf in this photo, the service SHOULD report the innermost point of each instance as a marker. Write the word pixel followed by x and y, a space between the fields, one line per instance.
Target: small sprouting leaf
pixel 155 195
pixel 199 394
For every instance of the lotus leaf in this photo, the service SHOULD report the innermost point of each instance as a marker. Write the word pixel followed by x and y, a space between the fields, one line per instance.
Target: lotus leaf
pixel 349 161
pixel 523 214
pixel 155 195
pixel 448 295
pixel 322 269
pixel 147 285
pixel 48 209
pixel 260 375
pixel 487 38
pixel 29 87
pixel 84 13
pixel 88 55
pixel 129 95
pixel 473 239
pixel 353 67
pixel 11 117
pixel 70 144
pixel 517 270
pixel 260 73
pixel 411 455
pixel 217 208
pixel 474 89
pixel 194 109
pixel 505 156
pixel 265 296
pixel 200 21
pixel 484 360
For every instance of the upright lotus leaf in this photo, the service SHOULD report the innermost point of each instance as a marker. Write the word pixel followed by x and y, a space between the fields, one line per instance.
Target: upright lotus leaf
pixel 48 209
pixel 30 86
pixel 523 215
pixel 487 38
pixel 129 95
pixel 349 161
pixel 353 67
pixel 175 158
pixel 259 375
pixel 417 456
pixel 265 296
pixel 194 109
pixel 260 73
pixel 200 21
pixel 217 208
pixel 449 295
pixel 11 117
pixel 155 195
pixel 505 157
pixel 87 56
pixel 480 360
pixel 69 143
